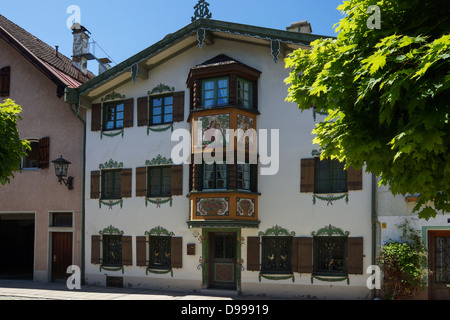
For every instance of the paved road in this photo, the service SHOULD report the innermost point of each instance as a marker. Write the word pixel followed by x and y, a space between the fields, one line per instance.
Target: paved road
pixel 29 290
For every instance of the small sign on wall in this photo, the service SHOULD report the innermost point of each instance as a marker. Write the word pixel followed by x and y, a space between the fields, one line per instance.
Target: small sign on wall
pixel 384 225
pixel 191 249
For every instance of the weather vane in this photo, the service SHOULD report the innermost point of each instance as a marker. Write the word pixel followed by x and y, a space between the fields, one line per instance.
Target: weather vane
pixel 201 11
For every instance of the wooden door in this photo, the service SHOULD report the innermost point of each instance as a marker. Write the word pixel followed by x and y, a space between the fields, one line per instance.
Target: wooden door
pixel 223 261
pixel 439 265
pixel 61 255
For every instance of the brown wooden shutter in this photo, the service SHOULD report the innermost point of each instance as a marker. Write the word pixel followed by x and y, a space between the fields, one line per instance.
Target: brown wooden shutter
pixel 232 175
pixel 177 180
pixel 307 176
pixel 95 184
pixel 96 121
pixel 141 251
pixel 233 90
pixel 178 106
pixel 197 177
pixel 44 153
pixel 127 251
pixel 141 182
pixel 95 250
pixel 126 183
pixel 5 76
pixel 355 255
pixel 142 111
pixel 255 176
pixel 354 179
pixel 128 121
pixel 177 252
pixel 305 255
pixel 253 253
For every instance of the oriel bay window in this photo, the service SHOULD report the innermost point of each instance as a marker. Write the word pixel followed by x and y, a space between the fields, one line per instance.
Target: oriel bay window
pixel 215 176
pixel 244 93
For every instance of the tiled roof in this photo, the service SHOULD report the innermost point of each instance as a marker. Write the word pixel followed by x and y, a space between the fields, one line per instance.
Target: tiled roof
pixel 59 64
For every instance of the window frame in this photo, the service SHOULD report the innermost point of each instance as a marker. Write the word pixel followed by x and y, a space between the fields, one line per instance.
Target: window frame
pixel 149 185
pixel 163 109
pixel 250 93
pixel 216 89
pixel 227 182
pixel 250 176
pixel 265 269
pixel 115 180
pixel 105 251
pixel 166 265
pixel 331 168
pixel 317 269
pixel 106 107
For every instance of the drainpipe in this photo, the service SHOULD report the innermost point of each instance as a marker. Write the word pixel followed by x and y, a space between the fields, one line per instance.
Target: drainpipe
pixel 83 186
pixel 374 224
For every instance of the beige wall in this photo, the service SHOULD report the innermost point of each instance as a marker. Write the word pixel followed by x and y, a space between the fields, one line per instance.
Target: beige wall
pixel 38 191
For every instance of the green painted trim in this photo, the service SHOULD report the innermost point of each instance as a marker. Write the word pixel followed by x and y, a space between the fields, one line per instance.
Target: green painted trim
pixel 110 203
pixel 330 279
pixel 160 89
pixel 329 231
pixel 111 164
pixel 425 230
pixel 207 24
pixel 276 277
pixel 276 231
pixel 159 231
pixel 111 231
pixel 156 271
pixel 111 135
pixel 113 96
pixel 158 202
pixel 106 268
pixel 223 224
pixel 159 161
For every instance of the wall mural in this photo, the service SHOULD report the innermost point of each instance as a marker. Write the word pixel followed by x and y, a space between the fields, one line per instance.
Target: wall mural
pixel 219 125
pixel 212 207
pixel 245 207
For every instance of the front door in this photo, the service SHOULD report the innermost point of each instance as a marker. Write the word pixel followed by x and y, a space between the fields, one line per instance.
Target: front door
pixel 61 255
pixel 439 265
pixel 223 261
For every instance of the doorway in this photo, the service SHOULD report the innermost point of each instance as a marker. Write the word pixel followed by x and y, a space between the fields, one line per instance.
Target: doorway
pixel 17 233
pixel 61 255
pixel 223 260
pixel 439 265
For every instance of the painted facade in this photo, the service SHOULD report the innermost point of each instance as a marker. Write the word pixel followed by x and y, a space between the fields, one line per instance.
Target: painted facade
pixel 193 227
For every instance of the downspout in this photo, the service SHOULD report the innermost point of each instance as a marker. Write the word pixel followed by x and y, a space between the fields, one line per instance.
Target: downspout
pixel 374 224
pixel 83 186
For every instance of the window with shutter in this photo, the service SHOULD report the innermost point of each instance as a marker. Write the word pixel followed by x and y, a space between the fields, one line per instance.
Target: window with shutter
pixel 31 160
pixel 330 255
pixel 95 184
pixel 112 251
pixel 177 252
pixel 160 254
pixel 111 184
pixel 126 183
pixel 96 119
pixel 141 251
pixel 276 255
pixel 5 75
pixel 95 250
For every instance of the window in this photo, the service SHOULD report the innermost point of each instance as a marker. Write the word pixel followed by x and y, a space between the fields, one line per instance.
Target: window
pixel 215 92
pixel 276 255
pixel 114 113
pixel 244 93
pixel 62 219
pixel 112 250
pixel 330 255
pixel 159 181
pixel 243 176
pixel 160 252
pixel 31 160
pixel 330 176
pixel 161 109
pixel 111 184
pixel 215 176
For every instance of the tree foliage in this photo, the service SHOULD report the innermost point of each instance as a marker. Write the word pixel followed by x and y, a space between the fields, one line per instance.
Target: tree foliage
pixel 386 92
pixel 12 149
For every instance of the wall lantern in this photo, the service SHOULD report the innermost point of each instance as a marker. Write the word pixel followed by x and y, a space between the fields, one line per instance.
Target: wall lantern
pixel 61 168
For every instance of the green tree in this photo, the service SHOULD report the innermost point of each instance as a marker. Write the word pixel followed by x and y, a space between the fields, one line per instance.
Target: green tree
pixel 386 94
pixel 12 149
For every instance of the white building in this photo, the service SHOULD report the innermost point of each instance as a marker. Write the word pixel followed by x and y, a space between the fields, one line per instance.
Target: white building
pixel 304 232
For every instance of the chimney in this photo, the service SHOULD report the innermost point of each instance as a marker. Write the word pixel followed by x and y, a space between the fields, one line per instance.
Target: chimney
pixel 103 65
pixel 300 27
pixel 80 47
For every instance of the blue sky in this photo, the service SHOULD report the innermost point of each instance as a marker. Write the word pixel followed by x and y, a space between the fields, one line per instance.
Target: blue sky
pixel 124 28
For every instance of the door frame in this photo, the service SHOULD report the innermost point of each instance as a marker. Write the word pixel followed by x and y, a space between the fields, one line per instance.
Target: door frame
pixel 432 233
pixel 206 255
pixel 51 248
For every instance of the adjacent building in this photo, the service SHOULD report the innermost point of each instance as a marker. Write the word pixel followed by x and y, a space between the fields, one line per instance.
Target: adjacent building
pixel 40 220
